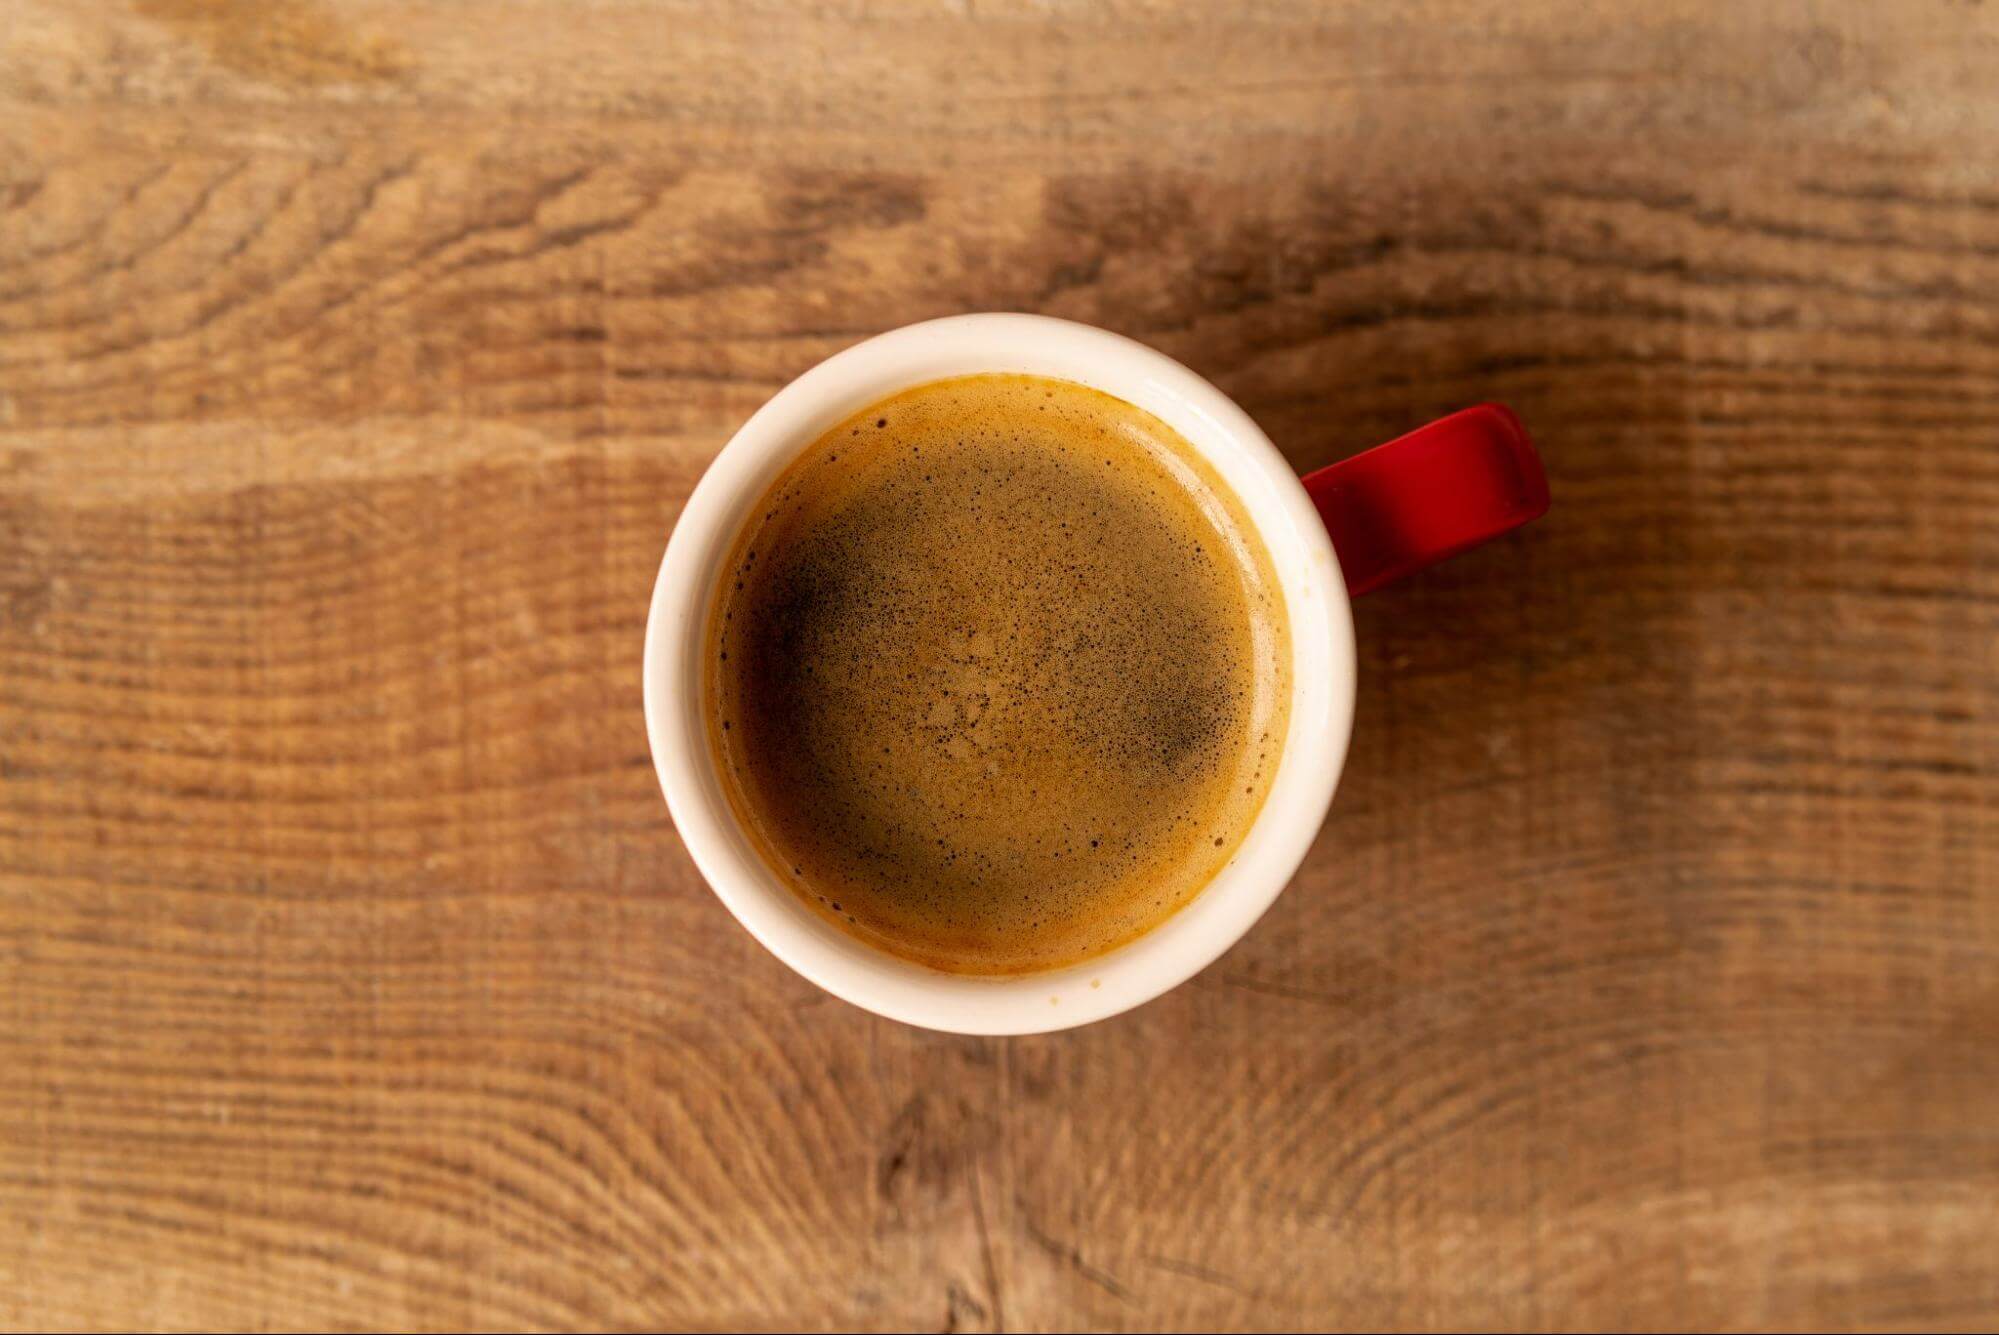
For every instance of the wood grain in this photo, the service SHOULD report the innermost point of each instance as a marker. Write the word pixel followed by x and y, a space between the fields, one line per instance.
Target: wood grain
pixel 355 360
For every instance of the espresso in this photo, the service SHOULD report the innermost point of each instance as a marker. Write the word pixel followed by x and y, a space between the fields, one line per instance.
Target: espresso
pixel 998 674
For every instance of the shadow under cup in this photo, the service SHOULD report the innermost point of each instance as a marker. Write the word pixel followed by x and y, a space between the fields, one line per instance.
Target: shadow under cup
pixel 1322 676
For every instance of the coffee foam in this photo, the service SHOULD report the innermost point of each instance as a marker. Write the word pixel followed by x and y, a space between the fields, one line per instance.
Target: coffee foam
pixel 998 674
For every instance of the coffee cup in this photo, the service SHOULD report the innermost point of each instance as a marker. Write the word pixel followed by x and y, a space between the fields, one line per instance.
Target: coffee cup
pixel 1343 530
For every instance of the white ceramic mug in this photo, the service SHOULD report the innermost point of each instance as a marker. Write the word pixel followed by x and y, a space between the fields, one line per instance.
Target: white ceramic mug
pixel 1287 515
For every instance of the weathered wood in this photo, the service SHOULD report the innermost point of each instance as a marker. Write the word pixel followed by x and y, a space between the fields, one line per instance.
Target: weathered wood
pixel 354 362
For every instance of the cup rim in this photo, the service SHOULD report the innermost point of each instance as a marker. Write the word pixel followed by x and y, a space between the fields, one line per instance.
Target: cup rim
pixel 1323 674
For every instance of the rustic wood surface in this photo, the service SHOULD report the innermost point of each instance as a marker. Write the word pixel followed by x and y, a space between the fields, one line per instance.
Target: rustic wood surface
pixel 355 360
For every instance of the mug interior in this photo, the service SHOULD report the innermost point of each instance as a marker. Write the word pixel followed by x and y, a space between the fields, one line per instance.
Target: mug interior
pixel 1322 673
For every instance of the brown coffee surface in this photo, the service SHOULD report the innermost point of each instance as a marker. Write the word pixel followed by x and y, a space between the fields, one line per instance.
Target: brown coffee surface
pixel 998 674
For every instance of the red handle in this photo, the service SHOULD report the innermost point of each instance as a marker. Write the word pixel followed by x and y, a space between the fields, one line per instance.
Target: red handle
pixel 1440 490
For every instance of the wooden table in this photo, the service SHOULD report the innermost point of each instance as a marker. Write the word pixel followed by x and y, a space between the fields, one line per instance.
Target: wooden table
pixel 355 361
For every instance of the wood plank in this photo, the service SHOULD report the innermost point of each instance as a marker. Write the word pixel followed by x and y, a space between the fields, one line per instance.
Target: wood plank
pixel 355 361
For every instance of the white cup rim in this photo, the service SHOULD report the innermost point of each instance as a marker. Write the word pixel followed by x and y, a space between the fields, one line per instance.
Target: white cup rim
pixel 1323 676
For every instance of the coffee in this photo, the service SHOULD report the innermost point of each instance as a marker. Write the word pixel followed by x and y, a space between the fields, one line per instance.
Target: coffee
pixel 998 674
